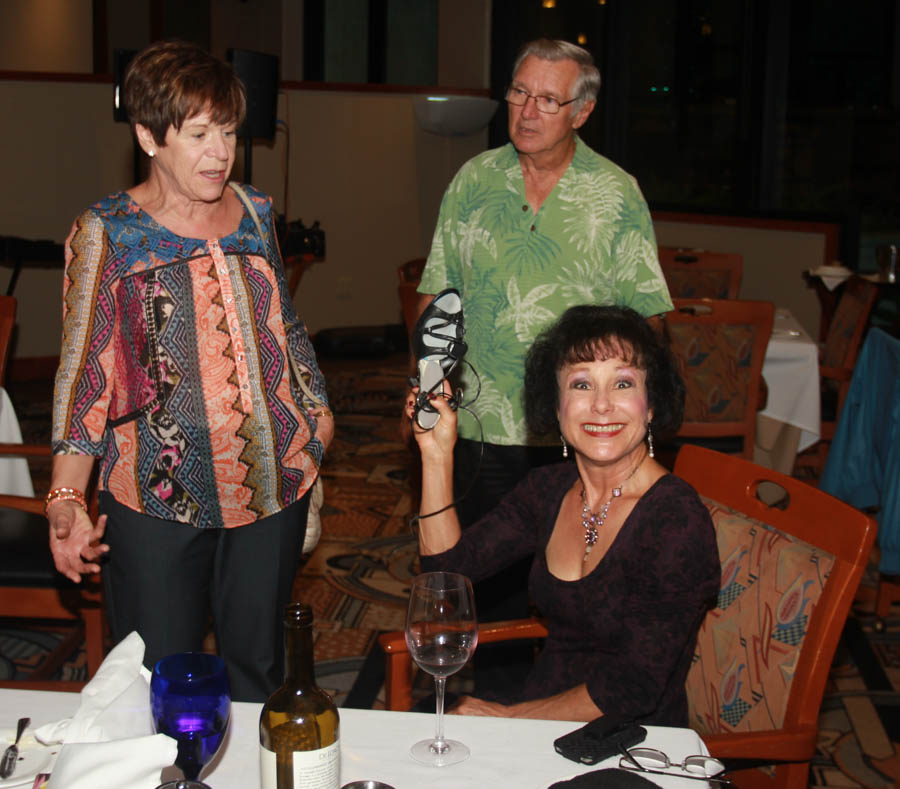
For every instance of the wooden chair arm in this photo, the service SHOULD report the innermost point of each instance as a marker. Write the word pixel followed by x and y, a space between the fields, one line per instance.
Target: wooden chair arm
pixel 23 503
pixel 836 373
pixel 26 450
pixel 398 671
pixel 786 745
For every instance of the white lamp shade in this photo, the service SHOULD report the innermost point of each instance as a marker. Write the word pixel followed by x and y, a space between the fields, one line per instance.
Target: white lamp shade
pixel 454 116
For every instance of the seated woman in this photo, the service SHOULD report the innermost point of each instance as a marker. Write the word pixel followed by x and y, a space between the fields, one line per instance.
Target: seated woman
pixel 625 559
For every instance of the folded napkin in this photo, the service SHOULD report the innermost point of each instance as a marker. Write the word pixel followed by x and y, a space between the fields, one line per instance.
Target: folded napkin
pixel 831 276
pixel 109 741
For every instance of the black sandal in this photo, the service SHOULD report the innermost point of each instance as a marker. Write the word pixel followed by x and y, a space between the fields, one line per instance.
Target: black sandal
pixel 438 345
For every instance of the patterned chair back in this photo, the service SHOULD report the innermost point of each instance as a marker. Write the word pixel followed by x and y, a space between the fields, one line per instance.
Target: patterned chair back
pixel 843 341
pixel 771 584
pixel 692 273
pixel 789 575
pixel 719 345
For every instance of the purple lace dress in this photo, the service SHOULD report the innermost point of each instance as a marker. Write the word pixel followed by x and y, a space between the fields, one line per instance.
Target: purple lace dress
pixel 628 628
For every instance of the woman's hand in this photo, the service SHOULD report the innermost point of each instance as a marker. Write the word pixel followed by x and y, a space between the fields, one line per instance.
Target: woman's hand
pixel 74 540
pixel 325 430
pixel 438 442
pixel 469 705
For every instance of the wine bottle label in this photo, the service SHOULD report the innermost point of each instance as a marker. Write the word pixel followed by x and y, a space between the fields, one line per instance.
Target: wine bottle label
pixel 319 769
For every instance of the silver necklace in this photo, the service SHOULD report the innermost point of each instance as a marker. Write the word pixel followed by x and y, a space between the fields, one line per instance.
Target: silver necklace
pixel 593 521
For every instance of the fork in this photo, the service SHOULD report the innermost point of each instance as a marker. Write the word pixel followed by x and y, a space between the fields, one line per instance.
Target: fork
pixel 11 754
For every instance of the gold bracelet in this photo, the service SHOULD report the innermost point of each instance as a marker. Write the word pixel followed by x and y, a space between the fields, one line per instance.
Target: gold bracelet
pixel 323 411
pixel 64 494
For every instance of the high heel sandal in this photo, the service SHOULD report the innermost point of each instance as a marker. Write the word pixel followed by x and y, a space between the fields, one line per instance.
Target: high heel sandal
pixel 437 342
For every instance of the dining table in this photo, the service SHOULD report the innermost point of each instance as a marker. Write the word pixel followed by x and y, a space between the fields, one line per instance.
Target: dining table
pixel 375 746
pixel 791 420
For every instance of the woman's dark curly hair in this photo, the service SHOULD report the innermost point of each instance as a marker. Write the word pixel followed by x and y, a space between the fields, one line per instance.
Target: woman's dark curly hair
pixel 587 333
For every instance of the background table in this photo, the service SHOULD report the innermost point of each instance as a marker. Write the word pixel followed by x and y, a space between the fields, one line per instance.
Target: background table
pixel 791 420
pixel 15 478
pixel 375 745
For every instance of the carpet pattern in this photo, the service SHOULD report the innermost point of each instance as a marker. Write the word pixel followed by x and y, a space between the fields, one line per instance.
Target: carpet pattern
pixel 357 578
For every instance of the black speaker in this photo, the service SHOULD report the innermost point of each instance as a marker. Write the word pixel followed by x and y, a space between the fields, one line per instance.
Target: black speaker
pixel 259 73
pixel 121 59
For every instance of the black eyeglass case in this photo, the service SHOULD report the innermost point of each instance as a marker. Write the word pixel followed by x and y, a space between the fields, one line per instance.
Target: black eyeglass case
pixel 610 778
pixel 598 740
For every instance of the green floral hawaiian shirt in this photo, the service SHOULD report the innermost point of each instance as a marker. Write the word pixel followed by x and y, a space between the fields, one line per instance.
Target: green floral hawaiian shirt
pixel 591 242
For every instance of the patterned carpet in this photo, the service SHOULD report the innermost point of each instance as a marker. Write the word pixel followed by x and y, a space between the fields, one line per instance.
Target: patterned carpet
pixel 356 582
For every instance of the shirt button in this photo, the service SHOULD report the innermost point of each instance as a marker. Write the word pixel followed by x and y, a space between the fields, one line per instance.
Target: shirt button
pixel 532 228
pixel 229 300
pixel 525 207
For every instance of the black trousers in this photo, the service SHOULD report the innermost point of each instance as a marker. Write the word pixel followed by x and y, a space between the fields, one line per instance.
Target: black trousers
pixel 482 478
pixel 164 580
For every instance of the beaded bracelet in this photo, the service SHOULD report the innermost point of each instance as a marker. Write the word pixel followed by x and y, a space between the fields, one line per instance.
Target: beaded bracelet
pixel 64 494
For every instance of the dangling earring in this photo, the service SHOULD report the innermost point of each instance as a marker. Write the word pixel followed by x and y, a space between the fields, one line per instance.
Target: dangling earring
pixel 565 446
pixel 650 440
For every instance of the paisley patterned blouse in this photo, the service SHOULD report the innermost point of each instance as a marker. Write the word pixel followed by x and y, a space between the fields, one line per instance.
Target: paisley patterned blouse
pixel 174 371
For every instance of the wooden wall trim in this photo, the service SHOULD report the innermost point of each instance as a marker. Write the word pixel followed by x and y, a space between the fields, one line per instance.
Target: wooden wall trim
pixel 347 87
pixel 830 230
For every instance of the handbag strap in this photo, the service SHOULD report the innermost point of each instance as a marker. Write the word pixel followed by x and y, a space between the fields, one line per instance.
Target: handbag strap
pixel 251 209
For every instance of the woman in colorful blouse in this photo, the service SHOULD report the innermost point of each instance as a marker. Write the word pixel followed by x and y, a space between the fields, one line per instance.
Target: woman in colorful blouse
pixel 179 371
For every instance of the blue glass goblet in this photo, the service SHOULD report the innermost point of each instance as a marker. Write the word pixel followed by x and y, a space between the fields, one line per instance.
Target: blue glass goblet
pixel 190 700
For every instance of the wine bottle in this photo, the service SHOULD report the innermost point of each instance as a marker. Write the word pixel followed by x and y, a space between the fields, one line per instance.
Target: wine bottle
pixel 299 726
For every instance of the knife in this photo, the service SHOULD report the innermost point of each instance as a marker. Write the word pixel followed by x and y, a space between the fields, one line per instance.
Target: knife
pixel 11 754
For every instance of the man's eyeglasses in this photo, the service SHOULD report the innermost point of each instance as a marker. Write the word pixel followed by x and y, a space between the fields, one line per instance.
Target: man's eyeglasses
pixel 545 104
pixel 650 760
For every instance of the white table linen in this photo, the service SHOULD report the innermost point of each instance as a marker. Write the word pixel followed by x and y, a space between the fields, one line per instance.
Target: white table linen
pixel 15 478
pixel 791 420
pixel 375 745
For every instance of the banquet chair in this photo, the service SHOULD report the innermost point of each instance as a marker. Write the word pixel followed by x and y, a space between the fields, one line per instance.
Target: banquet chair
pixel 836 361
pixel 408 275
pixel 789 574
pixel 719 345
pixel 30 587
pixel 696 273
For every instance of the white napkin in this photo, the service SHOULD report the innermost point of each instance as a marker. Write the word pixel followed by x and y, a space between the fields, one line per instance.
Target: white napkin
pixel 831 276
pixel 109 742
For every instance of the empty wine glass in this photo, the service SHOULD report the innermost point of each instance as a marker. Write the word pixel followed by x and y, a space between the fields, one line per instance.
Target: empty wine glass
pixel 190 700
pixel 441 633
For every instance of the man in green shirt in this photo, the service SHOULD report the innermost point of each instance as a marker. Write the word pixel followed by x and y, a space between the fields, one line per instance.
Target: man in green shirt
pixel 526 231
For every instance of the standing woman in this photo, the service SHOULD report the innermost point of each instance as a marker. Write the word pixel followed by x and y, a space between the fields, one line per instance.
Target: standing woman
pixel 180 356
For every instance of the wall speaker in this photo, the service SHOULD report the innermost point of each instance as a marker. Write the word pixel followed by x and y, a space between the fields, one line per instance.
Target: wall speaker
pixel 259 73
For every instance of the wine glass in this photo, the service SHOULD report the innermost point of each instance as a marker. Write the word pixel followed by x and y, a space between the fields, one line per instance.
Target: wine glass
pixel 190 700
pixel 441 633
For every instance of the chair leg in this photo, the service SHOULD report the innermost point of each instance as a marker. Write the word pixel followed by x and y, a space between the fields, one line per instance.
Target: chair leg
pixel 888 593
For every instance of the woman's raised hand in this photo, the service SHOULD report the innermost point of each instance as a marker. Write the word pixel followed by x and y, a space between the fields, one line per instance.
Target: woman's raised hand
pixel 441 438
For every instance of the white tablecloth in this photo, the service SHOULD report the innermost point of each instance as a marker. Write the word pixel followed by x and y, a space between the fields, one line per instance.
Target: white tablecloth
pixel 791 370
pixel 375 745
pixel 15 478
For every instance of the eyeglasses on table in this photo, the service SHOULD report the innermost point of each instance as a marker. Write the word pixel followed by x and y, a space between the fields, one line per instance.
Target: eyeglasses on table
pixel 651 760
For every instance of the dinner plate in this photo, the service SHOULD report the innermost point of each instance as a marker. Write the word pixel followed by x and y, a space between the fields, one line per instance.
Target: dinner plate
pixel 33 758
